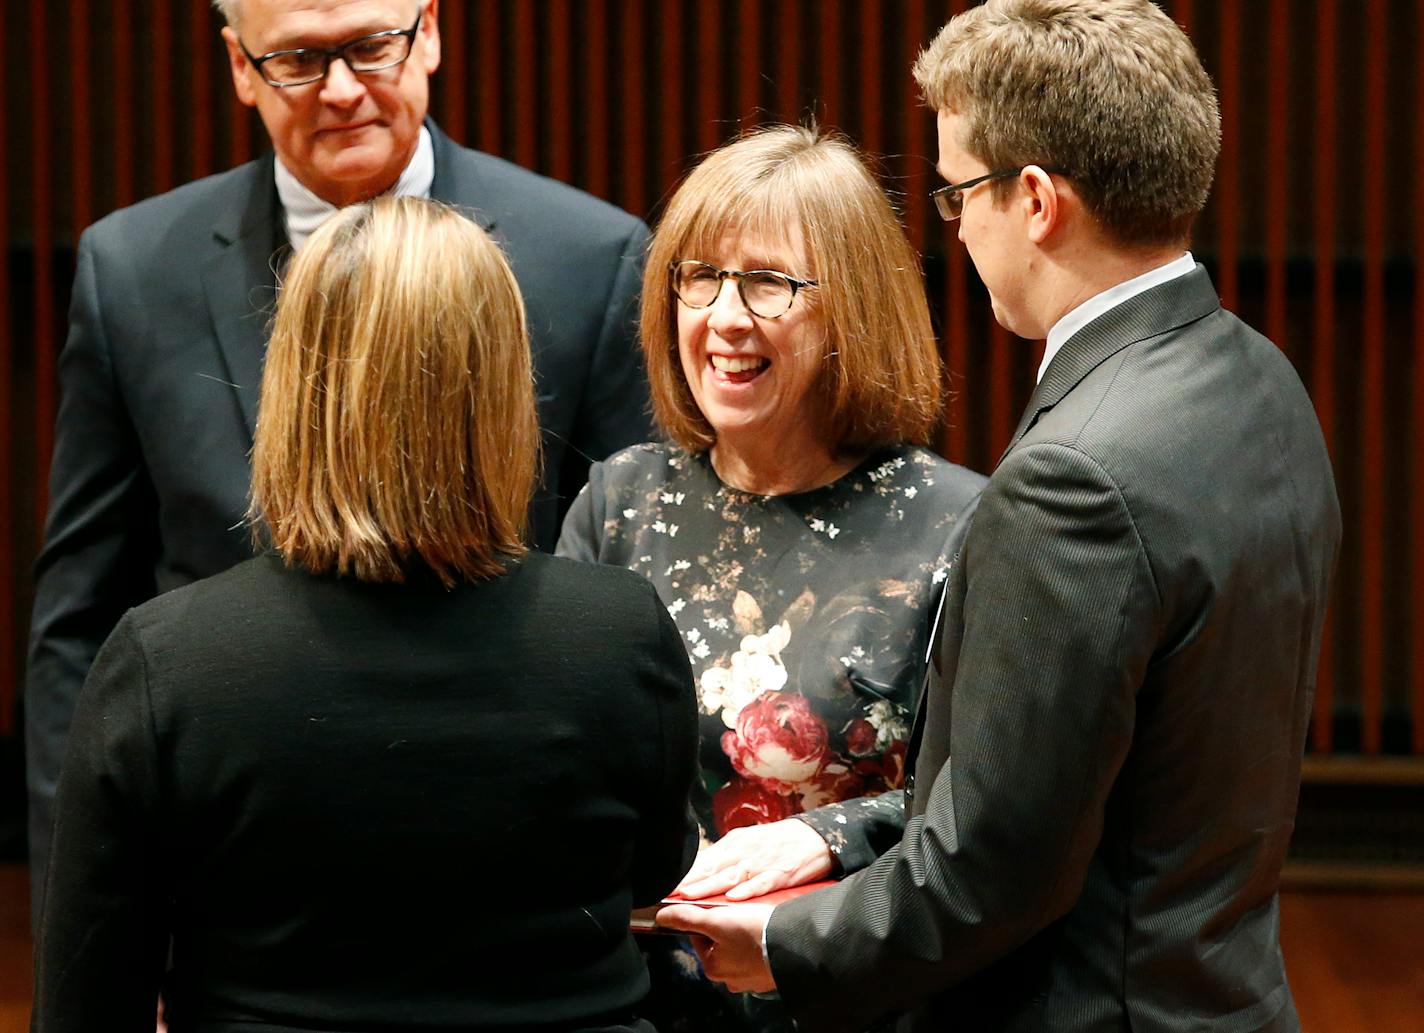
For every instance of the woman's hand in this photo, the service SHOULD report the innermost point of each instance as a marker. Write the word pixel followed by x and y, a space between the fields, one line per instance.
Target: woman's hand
pixel 748 862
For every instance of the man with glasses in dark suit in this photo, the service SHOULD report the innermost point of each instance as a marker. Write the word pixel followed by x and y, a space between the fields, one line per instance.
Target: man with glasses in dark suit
pixel 1105 763
pixel 169 319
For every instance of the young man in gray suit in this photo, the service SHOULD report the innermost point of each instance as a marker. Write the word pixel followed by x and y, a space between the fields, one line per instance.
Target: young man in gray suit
pixel 1123 672
pixel 169 321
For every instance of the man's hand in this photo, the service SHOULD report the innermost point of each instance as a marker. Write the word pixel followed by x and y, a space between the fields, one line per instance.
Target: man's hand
pixel 748 862
pixel 728 940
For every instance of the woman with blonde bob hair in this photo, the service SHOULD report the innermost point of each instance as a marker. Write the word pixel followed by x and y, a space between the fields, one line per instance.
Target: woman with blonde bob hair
pixel 343 777
pixel 793 522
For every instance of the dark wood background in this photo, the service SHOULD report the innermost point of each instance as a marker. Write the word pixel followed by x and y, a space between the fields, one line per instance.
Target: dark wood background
pixel 1314 232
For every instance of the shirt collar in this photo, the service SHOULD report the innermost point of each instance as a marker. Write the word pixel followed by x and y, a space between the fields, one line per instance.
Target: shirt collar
pixel 1114 296
pixel 304 212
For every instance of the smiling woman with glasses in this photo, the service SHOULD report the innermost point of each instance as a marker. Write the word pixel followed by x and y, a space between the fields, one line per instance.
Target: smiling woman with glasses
pixel 793 522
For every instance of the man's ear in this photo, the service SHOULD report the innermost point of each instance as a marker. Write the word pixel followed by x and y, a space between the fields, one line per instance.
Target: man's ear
pixel 239 66
pixel 1043 202
pixel 430 34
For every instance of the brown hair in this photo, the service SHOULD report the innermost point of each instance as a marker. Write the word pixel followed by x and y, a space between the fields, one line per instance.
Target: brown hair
pixel 397 418
pixel 881 370
pixel 1111 90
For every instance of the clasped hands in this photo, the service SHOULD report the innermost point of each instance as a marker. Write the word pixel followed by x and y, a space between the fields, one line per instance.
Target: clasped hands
pixel 745 863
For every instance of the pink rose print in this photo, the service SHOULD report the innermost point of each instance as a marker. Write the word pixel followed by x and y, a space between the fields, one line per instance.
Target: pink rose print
pixel 740 803
pixel 860 737
pixel 835 783
pixel 778 740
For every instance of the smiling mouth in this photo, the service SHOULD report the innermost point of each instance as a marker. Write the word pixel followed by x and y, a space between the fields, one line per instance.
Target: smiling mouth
pixel 752 364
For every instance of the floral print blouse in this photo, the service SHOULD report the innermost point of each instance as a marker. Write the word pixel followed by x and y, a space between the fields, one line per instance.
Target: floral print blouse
pixel 806 616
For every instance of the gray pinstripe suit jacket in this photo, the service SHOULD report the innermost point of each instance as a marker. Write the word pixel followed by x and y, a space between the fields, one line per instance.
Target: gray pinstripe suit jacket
pixel 1123 680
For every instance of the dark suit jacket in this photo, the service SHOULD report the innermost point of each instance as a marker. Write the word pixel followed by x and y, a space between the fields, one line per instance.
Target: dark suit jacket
pixel 1123 683
pixel 160 378
pixel 362 806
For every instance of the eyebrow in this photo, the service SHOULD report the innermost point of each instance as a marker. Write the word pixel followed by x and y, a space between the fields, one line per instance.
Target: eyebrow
pixel 309 40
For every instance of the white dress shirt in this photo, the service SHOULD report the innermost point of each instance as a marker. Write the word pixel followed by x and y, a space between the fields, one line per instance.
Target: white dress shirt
pixel 1077 318
pixel 304 212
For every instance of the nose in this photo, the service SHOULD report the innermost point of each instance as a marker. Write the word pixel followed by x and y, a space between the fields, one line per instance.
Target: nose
pixel 729 314
pixel 342 87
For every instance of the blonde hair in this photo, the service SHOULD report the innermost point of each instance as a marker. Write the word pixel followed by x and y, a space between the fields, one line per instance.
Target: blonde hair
pixel 397 420
pixel 1111 90
pixel 880 377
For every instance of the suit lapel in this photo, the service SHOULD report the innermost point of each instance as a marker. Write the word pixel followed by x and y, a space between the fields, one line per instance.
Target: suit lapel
pixel 1165 307
pixel 240 283
pixel 457 178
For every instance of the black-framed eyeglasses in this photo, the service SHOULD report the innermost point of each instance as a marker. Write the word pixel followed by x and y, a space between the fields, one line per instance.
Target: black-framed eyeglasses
pixel 949 201
pixel 283 68
pixel 767 293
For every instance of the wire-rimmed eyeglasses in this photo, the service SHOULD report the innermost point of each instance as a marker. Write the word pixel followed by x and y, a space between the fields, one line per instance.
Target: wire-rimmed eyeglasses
pixel 767 293
pixel 284 68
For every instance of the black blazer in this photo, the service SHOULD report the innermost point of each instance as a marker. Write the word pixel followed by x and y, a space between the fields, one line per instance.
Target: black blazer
pixel 160 378
pixel 362 807
pixel 1122 683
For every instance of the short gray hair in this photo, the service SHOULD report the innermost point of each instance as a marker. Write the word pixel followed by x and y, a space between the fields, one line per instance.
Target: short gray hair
pixel 228 9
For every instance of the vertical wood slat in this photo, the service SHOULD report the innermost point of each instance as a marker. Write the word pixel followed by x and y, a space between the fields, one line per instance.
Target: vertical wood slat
pixel 526 88
pixel 788 63
pixel 159 108
pixel 749 70
pixel 872 130
pixel 491 43
pixel 709 79
pixel 1278 187
pixel 81 133
pixel 125 121
pixel 670 154
pixel 9 668
pixel 1416 450
pixel 561 95
pixel 916 119
pixel 200 82
pixel 828 61
pixel 42 237
pixel 956 329
pixel 1228 192
pixel 454 38
pixel 1322 366
pixel 1372 440
pixel 596 174
pixel 1185 14
pixel 634 143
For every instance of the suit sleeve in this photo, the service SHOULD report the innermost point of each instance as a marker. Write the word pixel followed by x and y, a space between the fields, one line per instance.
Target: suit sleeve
pixel 103 937
pixel 667 837
pixel 1060 616
pixel 614 411
pixel 101 541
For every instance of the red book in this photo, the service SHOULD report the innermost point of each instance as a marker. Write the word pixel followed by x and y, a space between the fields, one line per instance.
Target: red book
pixel 642 920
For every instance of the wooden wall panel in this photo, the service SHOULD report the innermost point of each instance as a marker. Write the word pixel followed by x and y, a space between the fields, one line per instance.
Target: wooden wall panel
pixel 1416 425
pixel 10 595
pixel 1322 371
pixel 1312 232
